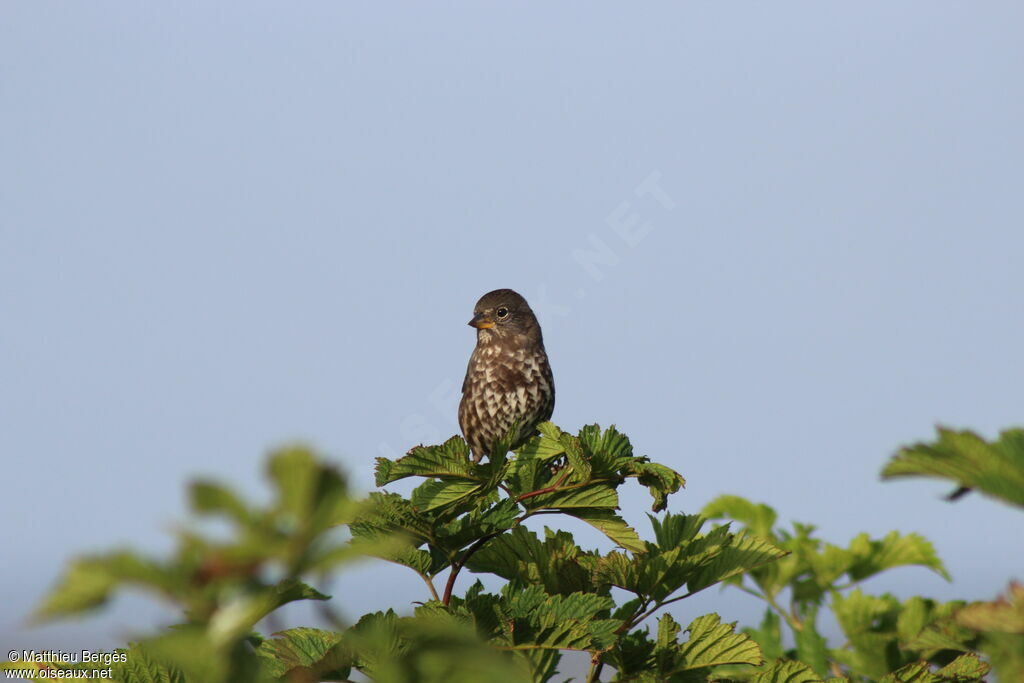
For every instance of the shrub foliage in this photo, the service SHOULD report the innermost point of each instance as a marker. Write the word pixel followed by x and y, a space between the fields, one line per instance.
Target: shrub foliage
pixel 464 519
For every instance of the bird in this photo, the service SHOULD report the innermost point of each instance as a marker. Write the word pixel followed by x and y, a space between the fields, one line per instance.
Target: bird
pixel 509 380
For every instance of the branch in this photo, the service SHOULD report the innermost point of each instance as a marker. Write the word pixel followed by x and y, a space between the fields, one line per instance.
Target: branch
pixel 596 664
pixel 793 622
pixel 633 620
pixel 637 620
pixel 457 567
pixel 547 489
pixel 430 585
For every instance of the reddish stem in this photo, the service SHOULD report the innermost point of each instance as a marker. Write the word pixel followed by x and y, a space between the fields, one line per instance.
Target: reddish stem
pixel 549 489
pixel 457 567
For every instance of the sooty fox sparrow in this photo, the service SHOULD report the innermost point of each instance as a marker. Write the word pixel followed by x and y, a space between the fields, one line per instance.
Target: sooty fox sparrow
pixel 508 381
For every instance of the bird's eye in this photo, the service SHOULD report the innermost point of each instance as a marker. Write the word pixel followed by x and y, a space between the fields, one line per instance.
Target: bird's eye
pixel 502 312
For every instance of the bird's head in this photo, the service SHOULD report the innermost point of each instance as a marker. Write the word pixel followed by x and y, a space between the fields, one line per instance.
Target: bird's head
pixel 504 314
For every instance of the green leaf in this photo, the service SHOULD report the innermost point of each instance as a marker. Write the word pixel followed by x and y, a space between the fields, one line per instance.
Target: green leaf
pixel 393 515
pixel 938 636
pixel 757 517
pixel 290 590
pixel 963 669
pixel 556 563
pixel 869 623
pixel 797 569
pixel 825 566
pixel 633 656
pixel 927 627
pixel 542 663
pixel 436 493
pixel 563 622
pixel 310 495
pixel 995 468
pixel 211 498
pixel 550 430
pixel 545 447
pixel 1001 628
pixel 1005 615
pixel 781 671
pixel 873 556
pixel 590 496
pixel 375 640
pixel 495 470
pixel 503 444
pixel 605 457
pixel 450 459
pixel 605 448
pixel 324 558
pixel 187 649
pixel 687 559
pixel 612 526
pixel 389 513
pixel 1005 651
pixel 660 481
pixel 967 666
pixel 574 454
pixel 858 612
pixel 768 635
pixel 89 582
pixel 307 653
pixel 524 476
pixel 610 455
pixel 1000 625
pixel 811 647
pixel 140 667
pixel 743 553
pixel 452 537
pixel 238 616
pixel 675 530
pixel 431 647
pixel 712 643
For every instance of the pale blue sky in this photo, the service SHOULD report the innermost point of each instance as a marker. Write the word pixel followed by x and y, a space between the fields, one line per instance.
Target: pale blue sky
pixel 223 228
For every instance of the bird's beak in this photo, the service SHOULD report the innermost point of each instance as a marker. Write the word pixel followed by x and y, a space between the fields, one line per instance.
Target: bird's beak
pixel 481 322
